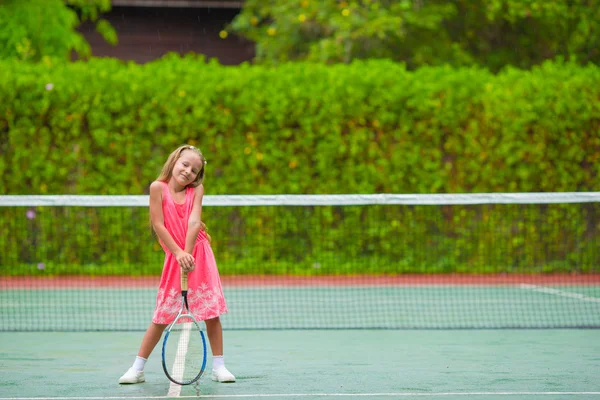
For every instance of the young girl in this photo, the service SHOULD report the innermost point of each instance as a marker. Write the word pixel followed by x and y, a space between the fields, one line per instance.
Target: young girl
pixel 175 212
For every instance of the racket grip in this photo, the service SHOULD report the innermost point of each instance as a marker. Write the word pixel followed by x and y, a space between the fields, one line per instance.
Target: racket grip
pixel 184 280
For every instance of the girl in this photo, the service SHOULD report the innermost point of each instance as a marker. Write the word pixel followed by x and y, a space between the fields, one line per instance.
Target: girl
pixel 175 213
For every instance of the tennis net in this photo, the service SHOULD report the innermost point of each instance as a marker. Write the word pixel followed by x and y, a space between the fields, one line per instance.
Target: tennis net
pixel 386 261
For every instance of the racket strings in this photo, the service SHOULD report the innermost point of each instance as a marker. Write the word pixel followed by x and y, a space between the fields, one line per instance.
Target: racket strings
pixel 184 352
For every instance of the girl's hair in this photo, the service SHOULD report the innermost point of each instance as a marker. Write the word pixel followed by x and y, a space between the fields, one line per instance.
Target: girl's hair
pixel 167 170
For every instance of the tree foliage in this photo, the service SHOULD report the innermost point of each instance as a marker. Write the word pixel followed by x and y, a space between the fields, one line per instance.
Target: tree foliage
pixel 33 29
pixel 492 33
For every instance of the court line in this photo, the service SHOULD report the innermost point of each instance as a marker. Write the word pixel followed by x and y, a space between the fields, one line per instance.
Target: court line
pixel 544 289
pixel 182 346
pixel 259 395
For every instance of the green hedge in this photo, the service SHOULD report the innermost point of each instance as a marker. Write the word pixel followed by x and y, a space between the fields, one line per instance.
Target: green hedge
pixel 106 127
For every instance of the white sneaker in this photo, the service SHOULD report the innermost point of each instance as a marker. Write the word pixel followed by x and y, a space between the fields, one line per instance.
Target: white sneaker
pixel 132 376
pixel 222 375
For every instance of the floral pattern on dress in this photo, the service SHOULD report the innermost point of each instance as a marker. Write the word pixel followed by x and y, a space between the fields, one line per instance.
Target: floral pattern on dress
pixel 205 303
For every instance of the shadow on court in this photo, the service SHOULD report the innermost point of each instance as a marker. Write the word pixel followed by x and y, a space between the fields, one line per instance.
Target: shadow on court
pixel 471 364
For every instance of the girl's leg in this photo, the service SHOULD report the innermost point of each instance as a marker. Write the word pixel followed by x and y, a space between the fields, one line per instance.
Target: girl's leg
pixel 215 337
pixel 135 374
pixel 151 338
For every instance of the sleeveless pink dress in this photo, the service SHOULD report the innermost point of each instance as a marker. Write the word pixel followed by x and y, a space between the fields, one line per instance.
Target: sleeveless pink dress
pixel 205 294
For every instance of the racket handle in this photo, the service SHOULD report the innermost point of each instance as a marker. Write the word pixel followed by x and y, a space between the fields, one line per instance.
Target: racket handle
pixel 184 280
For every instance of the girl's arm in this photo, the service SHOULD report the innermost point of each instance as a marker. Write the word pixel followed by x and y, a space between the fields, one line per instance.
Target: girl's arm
pixel 195 221
pixel 184 259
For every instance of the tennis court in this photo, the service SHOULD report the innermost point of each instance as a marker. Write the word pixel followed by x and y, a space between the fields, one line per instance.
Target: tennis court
pixel 500 301
pixel 456 364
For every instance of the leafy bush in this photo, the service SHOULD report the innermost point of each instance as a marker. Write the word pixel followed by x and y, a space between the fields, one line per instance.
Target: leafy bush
pixel 106 127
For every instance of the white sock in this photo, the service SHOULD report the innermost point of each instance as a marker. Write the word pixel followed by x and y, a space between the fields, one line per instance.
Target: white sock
pixel 139 363
pixel 218 362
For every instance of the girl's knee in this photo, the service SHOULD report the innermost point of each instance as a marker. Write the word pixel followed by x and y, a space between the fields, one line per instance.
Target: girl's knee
pixel 213 321
pixel 158 327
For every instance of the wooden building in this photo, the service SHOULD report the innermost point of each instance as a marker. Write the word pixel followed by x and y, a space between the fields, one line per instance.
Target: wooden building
pixel 148 29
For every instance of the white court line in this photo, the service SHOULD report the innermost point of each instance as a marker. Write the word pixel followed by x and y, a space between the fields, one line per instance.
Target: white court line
pixel 259 395
pixel 543 289
pixel 175 389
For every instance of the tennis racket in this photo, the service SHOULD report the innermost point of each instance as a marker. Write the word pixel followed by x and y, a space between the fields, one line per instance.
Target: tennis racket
pixel 184 344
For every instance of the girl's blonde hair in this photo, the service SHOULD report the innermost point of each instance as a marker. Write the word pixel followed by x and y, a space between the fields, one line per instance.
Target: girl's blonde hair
pixel 167 170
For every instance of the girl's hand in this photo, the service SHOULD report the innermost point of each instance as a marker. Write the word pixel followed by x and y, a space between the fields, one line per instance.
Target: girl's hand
pixel 186 261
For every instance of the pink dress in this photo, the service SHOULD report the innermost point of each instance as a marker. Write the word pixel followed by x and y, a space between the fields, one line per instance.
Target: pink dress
pixel 205 294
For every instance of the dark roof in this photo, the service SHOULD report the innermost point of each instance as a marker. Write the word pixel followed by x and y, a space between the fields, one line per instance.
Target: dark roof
pixel 180 3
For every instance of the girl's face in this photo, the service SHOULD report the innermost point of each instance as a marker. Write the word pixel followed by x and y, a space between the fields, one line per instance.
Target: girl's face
pixel 187 167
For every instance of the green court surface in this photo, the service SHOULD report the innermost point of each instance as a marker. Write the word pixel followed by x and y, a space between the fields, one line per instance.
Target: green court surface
pixel 304 364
